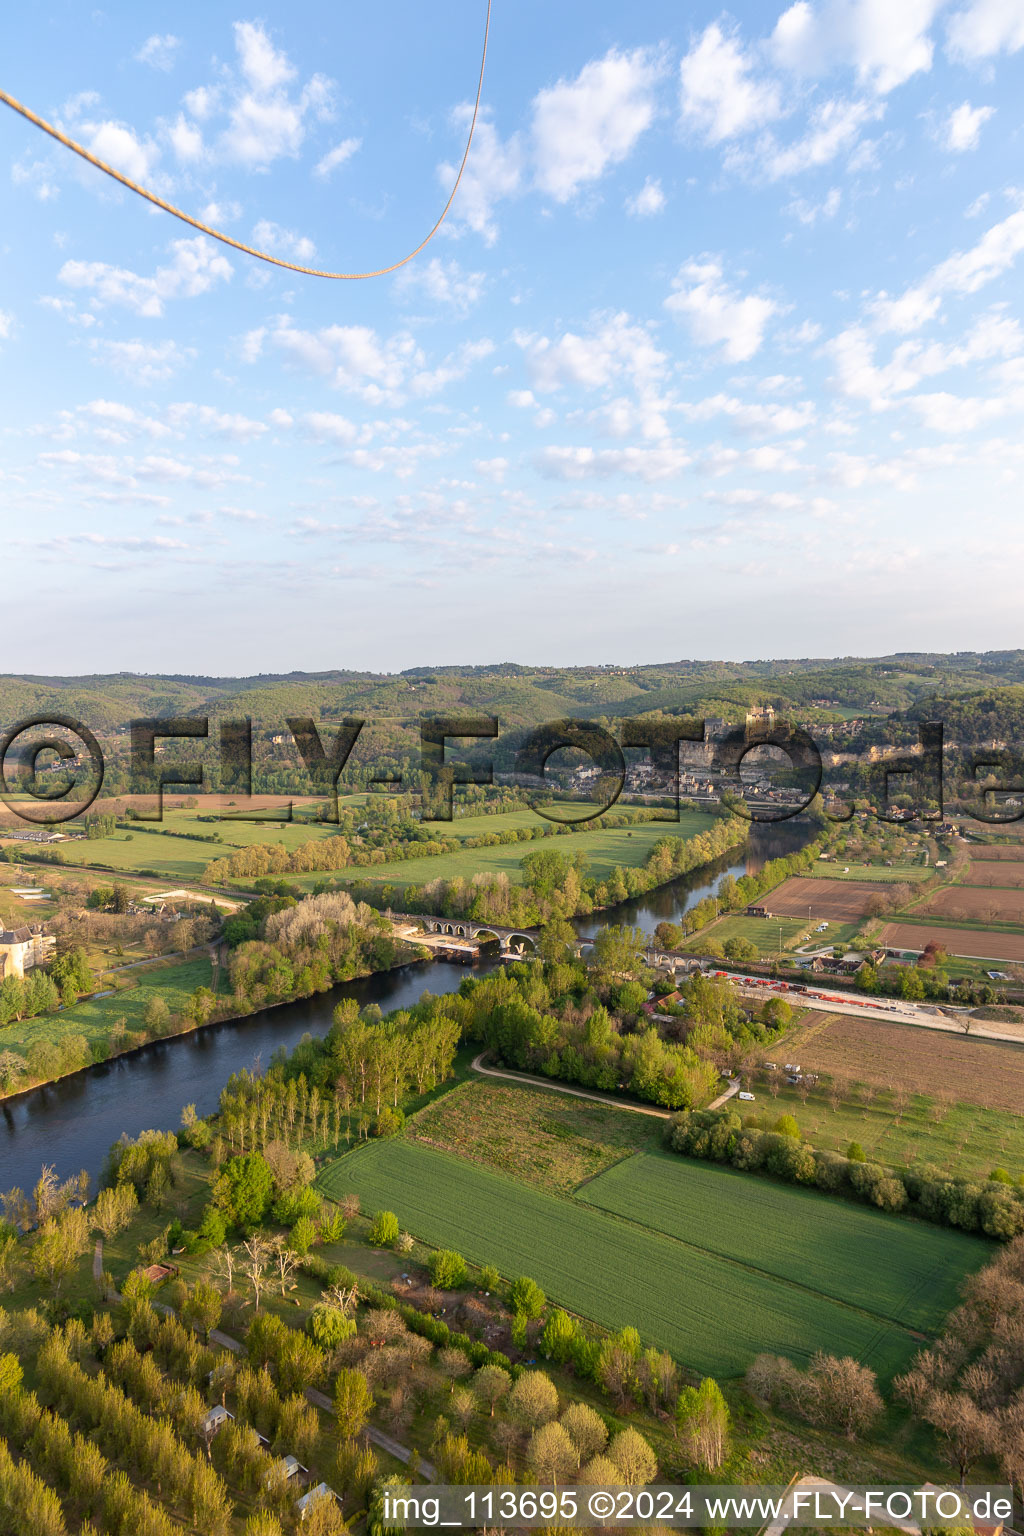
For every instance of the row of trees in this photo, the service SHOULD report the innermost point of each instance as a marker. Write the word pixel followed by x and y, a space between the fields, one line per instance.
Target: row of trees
pixel 969 1384
pixel 555 885
pixel 995 1209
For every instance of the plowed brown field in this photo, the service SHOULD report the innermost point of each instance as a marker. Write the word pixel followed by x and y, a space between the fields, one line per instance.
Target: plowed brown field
pixel 977 1071
pixel 839 900
pixel 956 941
pixel 976 904
pixel 996 872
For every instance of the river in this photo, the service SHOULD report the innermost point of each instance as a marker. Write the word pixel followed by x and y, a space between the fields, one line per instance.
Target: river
pixel 72 1123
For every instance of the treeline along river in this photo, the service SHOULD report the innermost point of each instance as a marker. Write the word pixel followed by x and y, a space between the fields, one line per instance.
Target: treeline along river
pixel 72 1123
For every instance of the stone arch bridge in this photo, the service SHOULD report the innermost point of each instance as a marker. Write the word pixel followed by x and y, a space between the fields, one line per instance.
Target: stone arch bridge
pixel 513 941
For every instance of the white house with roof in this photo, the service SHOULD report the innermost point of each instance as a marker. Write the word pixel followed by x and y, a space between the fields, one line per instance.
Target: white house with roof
pixel 22 948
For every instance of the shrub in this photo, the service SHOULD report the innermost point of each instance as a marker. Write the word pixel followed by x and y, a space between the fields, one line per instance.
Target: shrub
pixel 526 1297
pixel 329 1326
pixel 302 1236
pixel 385 1229
pixel 389 1122
pixel 447 1269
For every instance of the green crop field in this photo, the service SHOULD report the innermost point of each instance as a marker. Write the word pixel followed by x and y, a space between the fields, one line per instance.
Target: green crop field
pixel 605 848
pixel 764 932
pixel 880 873
pixel 966 1139
pixel 94 1018
pixel 185 858
pixel 713 1311
pixel 904 1270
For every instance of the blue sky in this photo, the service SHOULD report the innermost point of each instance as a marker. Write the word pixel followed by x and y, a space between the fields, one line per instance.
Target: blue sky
pixel 720 353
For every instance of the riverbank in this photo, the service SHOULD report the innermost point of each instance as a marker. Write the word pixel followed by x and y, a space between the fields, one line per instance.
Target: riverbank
pixel 99 1029
pixel 72 1122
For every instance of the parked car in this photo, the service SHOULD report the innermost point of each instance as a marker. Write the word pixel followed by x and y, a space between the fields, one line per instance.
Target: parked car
pixel 749 1096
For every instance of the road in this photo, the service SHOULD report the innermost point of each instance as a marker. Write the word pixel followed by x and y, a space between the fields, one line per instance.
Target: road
pixel 904 1013
pixel 575 1093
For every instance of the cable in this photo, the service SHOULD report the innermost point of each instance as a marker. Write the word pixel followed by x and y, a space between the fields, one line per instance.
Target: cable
pixel 249 250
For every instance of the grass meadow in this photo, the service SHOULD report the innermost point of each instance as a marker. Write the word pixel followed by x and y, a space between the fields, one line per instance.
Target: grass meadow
pixel 711 1302
pixel 183 858
pixel 604 847
pixel 879 873
pixel 172 980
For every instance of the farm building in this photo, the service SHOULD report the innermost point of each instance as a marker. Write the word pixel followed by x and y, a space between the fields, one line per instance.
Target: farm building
pixel 758 911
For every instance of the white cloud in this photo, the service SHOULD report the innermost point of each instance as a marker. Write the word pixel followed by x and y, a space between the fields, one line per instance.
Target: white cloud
pixel 145 363
pixel 35 174
pixel 719 94
pixel 492 469
pixel 456 366
pixel 444 282
pixel 6 324
pixel 282 242
pixel 493 172
pixel 648 464
pixel 583 126
pixel 648 201
pixel 964 272
pixel 986 27
pixel 616 348
pixel 810 213
pixel 716 314
pixel 993 335
pixel 196 266
pixel 327 427
pixel 267 119
pixel 159 51
pixel 121 147
pixel 835 127
pixel 350 357
pixel 884 41
pixel 962 128
pixel 752 416
pixel 335 157
pixel 186 140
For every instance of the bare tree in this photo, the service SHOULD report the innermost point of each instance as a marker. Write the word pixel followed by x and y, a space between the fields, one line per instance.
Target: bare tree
pixel 967 1431
pixel 223 1263
pixel 285 1259
pixel 257 1252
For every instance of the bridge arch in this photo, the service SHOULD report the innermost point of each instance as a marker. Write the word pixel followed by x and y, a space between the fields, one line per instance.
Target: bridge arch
pixel 516 943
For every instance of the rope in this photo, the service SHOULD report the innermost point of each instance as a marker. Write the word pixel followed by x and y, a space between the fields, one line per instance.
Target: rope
pixel 217 234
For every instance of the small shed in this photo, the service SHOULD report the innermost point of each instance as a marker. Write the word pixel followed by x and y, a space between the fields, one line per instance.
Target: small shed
pixel 305 1504
pixel 215 1419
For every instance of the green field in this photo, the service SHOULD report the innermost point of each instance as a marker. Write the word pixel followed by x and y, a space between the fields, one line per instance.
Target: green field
pixel 963 1140
pixel 96 1017
pixel 713 1310
pixel 605 848
pixel 765 931
pixel 183 858
pixel 903 1270
pixel 549 1138
pixel 880 873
